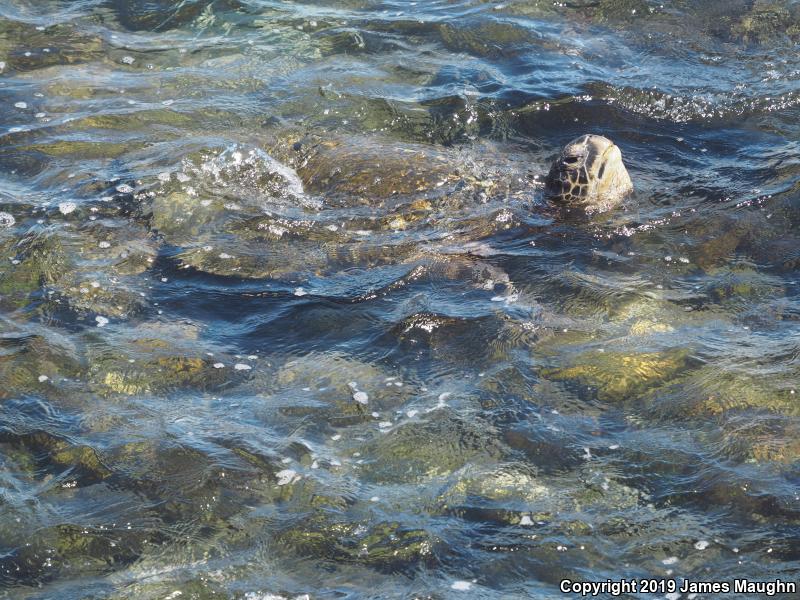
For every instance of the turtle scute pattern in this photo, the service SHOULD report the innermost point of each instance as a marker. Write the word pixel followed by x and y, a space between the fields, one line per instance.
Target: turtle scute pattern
pixel 589 172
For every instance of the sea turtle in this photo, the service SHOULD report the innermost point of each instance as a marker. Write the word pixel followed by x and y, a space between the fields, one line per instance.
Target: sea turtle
pixel 303 203
pixel 589 173
pixel 309 203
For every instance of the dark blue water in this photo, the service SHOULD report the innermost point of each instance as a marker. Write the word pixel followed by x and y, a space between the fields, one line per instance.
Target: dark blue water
pixel 284 310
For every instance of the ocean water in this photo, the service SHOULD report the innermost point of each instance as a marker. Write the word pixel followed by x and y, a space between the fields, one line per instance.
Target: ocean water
pixel 285 312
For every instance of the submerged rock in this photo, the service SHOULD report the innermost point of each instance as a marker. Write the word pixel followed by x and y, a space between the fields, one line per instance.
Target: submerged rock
pixel 501 484
pixel 36 360
pixel 340 389
pixel 144 15
pixel 434 447
pixel 125 363
pixel 75 549
pixel 54 453
pixel 22 45
pixel 386 546
pixel 617 376
pixel 88 269
pixel 28 263
pixel 766 21
pixel 733 287
pixel 538 512
pixel 712 391
pixel 757 437
pixel 158 374
pixel 92 293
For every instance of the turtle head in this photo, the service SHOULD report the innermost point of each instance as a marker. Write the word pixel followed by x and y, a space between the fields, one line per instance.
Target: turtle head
pixel 589 173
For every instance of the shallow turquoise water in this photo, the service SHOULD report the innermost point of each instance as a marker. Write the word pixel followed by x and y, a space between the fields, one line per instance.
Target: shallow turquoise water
pixel 284 310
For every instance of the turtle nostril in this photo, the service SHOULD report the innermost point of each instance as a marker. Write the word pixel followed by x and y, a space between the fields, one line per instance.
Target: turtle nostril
pixel 601 171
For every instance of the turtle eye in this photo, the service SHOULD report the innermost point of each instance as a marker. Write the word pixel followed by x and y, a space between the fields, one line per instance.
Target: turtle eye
pixel 571 160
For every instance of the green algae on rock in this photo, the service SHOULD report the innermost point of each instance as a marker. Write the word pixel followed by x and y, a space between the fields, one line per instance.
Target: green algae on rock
pixel 434 447
pixel 617 376
pixel 153 360
pixel 713 392
pixel 341 390
pixel 766 21
pixel 32 261
pixel 386 546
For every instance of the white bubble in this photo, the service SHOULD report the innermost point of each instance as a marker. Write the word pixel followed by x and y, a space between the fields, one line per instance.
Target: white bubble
pixel 526 521
pixel 20 105
pixel 670 561
pixel 128 60
pixel 101 321
pixel 300 292
pixel 361 397
pixel 104 244
pixel 286 476
pixel 242 367
pixel 43 378
pixel 124 189
pixel 461 586
pixel 219 365
pixel 67 207
pixel 6 220
pixel 701 545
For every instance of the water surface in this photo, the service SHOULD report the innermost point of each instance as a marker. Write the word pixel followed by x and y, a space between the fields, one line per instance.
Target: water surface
pixel 284 310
